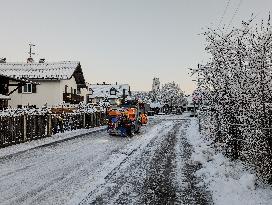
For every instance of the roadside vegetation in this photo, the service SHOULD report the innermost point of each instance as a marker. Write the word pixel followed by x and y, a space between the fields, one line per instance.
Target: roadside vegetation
pixel 236 84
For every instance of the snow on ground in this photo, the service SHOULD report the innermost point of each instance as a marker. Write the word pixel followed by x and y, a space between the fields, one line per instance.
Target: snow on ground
pixel 15 149
pixel 60 172
pixel 229 182
pixel 161 163
pixel 119 163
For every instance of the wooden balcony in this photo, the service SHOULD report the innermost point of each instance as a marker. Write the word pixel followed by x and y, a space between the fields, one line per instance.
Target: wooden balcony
pixel 72 98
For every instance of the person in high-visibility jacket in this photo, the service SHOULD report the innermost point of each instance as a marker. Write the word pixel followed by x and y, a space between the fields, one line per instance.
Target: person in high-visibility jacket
pixel 144 119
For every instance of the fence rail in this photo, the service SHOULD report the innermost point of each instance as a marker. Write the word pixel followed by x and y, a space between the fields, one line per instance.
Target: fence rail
pixel 28 127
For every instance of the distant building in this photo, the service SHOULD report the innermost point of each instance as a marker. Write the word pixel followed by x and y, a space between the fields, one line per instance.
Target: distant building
pixel 59 83
pixel 156 84
pixel 113 93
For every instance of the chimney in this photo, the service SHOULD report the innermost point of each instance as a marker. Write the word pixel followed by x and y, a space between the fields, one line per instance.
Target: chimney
pixel 3 60
pixel 42 60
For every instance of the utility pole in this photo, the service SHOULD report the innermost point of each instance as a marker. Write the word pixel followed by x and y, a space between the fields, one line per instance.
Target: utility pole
pixel 200 68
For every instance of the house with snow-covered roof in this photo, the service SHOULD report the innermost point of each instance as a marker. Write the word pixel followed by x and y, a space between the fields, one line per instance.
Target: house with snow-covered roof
pixel 59 83
pixel 109 92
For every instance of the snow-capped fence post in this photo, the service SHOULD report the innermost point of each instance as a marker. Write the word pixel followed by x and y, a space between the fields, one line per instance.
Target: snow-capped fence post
pixel 95 119
pixel 103 116
pixel 92 120
pixel 49 125
pixel 99 118
pixel 84 120
pixel 24 129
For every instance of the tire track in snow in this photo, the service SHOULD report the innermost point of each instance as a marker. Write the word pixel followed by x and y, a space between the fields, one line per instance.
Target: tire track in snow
pixel 132 151
pixel 160 173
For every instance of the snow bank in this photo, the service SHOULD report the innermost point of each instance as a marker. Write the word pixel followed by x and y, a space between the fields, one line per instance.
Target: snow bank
pixel 230 182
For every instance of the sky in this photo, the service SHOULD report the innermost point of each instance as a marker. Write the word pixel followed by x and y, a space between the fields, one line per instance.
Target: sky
pixel 124 41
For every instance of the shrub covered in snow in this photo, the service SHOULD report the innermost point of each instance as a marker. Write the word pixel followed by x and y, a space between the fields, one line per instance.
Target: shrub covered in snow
pixel 229 181
pixel 170 94
pixel 237 83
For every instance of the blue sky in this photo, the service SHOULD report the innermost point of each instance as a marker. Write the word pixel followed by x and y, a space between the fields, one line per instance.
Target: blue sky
pixel 128 41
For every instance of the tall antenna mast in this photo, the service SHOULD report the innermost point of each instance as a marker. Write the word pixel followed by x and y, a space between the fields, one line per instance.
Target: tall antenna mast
pixel 30 59
pixel 30 50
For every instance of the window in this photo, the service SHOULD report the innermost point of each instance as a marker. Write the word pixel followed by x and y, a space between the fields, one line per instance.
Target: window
pixel 78 91
pixel 112 91
pixel 27 88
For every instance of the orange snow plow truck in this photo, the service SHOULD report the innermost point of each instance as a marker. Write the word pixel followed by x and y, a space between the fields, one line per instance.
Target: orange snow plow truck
pixel 125 121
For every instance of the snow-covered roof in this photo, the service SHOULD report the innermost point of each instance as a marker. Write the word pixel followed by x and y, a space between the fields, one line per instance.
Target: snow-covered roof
pixel 4 97
pixel 57 70
pixel 18 79
pixel 104 90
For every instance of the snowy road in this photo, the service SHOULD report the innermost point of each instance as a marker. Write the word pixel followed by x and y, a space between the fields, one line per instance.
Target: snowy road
pixel 151 168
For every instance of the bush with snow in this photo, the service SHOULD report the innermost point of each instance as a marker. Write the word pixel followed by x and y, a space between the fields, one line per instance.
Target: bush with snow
pixel 238 87
pixel 229 182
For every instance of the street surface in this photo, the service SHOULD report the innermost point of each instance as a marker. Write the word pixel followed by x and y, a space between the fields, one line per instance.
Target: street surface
pixel 153 167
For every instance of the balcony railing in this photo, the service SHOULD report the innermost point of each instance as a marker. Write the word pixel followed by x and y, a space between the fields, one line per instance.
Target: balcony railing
pixel 72 98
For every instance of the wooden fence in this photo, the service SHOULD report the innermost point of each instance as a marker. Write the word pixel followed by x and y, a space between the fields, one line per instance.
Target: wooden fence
pixel 23 128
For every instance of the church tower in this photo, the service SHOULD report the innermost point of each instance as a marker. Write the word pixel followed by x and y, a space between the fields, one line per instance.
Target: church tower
pixel 156 84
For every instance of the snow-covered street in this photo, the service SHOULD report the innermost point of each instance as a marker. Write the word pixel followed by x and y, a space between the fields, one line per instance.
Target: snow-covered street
pixel 158 166
pixel 98 168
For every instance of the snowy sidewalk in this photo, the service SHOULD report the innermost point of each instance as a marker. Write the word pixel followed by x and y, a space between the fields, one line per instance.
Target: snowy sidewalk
pixel 229 182
pixel 57 138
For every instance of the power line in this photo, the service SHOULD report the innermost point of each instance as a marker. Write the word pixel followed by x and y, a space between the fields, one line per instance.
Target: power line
pixel 224 13
pixel 235 13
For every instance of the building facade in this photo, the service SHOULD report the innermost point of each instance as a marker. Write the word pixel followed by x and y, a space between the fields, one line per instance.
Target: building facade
pixel 58 83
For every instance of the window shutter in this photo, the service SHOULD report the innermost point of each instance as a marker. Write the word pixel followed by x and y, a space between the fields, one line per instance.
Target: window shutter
pixel 20 89
pixel 34 88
